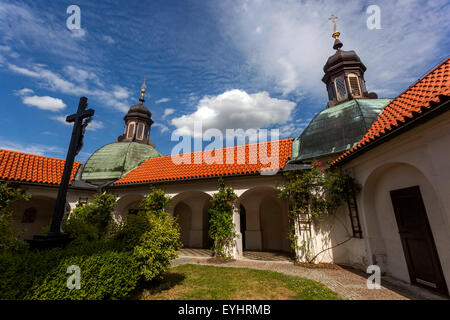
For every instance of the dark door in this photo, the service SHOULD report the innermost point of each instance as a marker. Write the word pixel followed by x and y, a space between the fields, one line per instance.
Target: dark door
pixel 417 240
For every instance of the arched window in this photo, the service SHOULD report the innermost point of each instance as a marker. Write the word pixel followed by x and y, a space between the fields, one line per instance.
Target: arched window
pixel 340 88
pixel 29 215
pixel 331 93
pixel 131 130
pixel 353 83
pixel 140 131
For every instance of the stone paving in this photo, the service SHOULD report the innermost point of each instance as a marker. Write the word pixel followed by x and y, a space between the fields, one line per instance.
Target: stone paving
pixel 349 283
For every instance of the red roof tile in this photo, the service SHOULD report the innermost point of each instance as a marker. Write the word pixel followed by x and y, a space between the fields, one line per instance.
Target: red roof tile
pixel 166 169
pixel 25 167
pixel 417 100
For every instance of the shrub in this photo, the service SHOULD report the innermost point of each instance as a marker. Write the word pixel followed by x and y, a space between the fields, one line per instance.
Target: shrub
pixel 152 234
pixel 158 246
pixel 90 222
pixel 221 225
pixel 9 238
pixel 106 273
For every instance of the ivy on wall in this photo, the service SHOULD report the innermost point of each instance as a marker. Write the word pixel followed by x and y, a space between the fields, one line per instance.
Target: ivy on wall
pixel 314 194
pixel 221 225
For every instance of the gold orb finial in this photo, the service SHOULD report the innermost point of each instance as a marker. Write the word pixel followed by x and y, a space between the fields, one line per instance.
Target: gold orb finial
pixel 143 90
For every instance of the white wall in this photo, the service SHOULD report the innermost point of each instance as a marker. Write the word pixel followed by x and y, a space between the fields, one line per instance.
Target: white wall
pixel 417 157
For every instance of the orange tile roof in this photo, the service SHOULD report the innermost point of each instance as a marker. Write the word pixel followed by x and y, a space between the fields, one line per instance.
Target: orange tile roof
pixel 166 169
pixel 417 100
pixel 25 167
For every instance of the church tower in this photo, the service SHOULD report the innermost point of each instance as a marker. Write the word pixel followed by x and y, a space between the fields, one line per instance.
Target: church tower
pixel 349 112
pixel 138 122
pixel 130 150
pixel 344 74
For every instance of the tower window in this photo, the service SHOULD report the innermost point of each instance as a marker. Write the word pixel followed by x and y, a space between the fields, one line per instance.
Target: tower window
pixel 130 130
pixel 354 85
pixel 331 93
pixel 140 131
pixel 341 90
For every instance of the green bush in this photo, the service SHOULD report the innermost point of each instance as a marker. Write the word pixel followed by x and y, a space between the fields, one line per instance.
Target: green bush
pixel 106 273
pixel 152 234
pixel 158 246
pixel 91 221
pixel 111 268
pixel 10 240
pixel 221 225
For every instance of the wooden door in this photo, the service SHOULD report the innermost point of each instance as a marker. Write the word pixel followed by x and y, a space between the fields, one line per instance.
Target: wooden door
pixel 417 239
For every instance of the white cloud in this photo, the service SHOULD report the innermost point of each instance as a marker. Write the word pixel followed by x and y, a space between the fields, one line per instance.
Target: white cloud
pixel 236 109
pixel 32 148
pixel 163 128
pixel 108 39
pixel 120 92
pixel 162 100
pixel 53 81
pixel 81 76
pixel 94 125
pixel 291 53
pixel 78 33
pixel 23 92
pixel 44 103
pixel 168 112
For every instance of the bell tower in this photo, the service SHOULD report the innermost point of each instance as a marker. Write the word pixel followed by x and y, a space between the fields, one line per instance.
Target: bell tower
pixel 138 122
pixel 344 73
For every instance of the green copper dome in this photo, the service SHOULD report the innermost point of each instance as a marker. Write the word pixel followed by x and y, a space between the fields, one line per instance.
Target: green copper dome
pixel 337 129
pixel 116 159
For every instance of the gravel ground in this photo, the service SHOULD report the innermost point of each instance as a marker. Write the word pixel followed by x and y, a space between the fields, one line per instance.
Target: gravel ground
pixel 350 284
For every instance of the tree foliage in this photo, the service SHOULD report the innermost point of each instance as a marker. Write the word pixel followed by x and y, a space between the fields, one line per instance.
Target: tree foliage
pixel 317 192
pixel 10 238
pixel 221 225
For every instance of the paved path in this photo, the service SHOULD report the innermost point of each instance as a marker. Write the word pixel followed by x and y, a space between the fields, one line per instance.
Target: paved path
pixel 350 284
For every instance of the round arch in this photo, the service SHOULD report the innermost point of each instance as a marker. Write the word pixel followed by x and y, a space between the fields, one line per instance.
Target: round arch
pixel 191 208
pixel 382 231
pixel 266 220
pixel 125 204
pixel 33 216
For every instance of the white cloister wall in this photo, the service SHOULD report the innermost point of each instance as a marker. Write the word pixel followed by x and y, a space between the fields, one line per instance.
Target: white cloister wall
pixel 419 157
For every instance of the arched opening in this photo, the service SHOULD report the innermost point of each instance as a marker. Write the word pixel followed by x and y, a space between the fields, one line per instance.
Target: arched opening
pixel 127 204
pixel 191 208
pixel 34 216
pixel 264 220
pixel 183 214
pixel 388 197
pixel 271 229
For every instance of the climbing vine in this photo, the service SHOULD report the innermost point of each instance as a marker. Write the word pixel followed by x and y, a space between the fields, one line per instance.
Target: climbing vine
pixel 221 225
pixel 312 195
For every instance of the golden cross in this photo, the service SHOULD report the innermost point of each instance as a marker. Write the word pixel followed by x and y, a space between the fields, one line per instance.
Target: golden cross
pixel 336 33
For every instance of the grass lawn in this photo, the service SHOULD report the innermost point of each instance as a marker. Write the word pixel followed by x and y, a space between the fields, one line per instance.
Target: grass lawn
pixel 199 282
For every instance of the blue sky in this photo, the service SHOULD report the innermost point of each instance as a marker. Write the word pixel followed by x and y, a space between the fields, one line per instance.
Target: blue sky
pixel 234 64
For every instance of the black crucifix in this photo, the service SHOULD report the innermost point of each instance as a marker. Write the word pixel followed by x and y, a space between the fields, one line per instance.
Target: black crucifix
pixel 80 119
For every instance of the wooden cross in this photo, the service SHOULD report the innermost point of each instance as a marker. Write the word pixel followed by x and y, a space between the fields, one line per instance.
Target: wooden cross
pixel 80 119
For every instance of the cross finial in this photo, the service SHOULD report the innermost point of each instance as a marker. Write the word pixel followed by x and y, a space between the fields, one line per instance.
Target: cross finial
pixel 143 90
pixel 336 33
